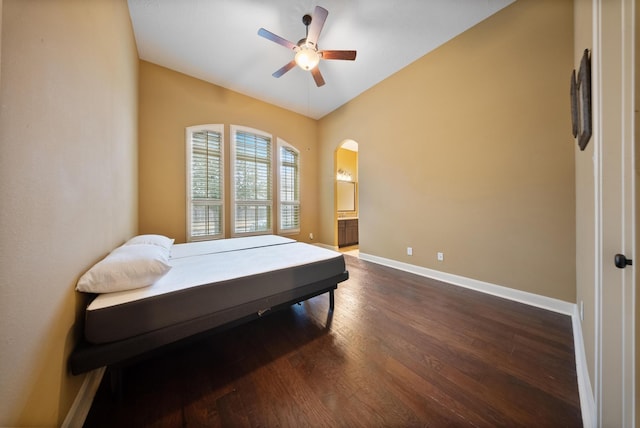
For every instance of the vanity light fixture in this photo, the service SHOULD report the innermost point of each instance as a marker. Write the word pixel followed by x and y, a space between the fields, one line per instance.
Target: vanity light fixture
pixel 343 175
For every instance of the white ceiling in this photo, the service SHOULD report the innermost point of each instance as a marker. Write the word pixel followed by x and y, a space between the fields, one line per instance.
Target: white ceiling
pixel 217 41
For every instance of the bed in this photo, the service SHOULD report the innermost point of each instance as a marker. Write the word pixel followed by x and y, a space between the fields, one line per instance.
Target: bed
pixel 205 287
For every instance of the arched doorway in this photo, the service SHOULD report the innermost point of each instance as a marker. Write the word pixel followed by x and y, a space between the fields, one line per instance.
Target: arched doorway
pixel 347 211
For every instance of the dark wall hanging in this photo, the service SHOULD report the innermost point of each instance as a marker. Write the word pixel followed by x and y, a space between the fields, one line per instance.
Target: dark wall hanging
pixel 581 101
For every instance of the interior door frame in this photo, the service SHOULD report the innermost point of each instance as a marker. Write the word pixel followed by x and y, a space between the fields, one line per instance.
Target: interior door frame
pixel 613 108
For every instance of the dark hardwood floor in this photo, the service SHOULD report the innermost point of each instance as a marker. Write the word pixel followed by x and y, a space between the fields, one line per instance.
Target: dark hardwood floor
pixel 400 351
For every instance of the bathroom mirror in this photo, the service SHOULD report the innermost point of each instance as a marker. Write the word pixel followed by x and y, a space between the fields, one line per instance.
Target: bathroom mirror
pixel 346 196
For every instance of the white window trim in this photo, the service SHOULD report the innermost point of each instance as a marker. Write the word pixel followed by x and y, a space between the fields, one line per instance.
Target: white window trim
pixel 281 143
pixel 188 136
pixel 232 161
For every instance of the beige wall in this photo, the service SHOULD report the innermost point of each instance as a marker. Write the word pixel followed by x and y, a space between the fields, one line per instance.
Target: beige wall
pixel 468 151
pixel 68 185
pixel 170 102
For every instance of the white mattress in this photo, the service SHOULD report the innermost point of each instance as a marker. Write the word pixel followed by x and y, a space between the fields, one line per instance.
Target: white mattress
pixel 194 264
pixel 214 283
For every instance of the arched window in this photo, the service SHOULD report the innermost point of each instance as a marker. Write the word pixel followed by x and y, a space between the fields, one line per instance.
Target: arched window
pixel 251 182
pixel 289 188
pixel 205 182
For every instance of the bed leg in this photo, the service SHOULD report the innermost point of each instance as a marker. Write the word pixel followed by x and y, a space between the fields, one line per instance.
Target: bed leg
pixel 330 311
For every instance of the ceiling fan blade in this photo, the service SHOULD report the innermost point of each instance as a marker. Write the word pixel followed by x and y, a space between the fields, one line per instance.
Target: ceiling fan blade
pixel 317 76
pixel 317 22
pixel 275 38
pixel 288 66
pixel 348 55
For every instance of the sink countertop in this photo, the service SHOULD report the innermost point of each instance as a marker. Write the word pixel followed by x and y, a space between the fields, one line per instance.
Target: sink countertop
pixel 347 218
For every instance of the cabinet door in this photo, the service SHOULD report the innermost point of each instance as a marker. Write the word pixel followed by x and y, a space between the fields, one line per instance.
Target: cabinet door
pixel 342 233
pixel 352 232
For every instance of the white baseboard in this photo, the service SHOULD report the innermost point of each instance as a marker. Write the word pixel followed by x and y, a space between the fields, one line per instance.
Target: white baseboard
pixel 82 404
pixel 587 403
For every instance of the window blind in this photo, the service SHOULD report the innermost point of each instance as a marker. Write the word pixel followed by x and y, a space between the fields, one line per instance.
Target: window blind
pixel 252 182
pixel 289 194
pixel 205 204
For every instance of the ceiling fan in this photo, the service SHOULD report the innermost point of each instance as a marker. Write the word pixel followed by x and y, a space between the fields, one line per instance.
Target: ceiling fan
pixel 307 54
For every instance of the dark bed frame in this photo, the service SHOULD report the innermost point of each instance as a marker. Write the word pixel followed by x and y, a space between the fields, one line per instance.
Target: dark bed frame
pixel 116 355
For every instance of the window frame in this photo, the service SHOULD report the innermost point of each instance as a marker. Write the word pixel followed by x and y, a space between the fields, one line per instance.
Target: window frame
pixel 282 144
pixel 234 129
pixel 189 131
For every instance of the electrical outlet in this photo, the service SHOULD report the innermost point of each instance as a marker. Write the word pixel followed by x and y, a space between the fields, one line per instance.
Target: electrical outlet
pixel 440 257
pixel 311 236
pixel 409 251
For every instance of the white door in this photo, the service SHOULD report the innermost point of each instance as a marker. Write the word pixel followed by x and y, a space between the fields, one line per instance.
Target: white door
pixel 613 84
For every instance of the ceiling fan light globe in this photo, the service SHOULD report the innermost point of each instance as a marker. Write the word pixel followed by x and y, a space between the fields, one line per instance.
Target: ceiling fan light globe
pixel 307 58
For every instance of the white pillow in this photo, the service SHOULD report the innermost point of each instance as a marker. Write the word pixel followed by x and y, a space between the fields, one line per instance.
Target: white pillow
pixel 159 240
pixel 125 268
